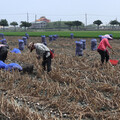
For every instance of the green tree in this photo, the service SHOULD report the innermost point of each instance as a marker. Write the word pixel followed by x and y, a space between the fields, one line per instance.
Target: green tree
pixel 113 23
pixel 77 24
pixel 14 24
pixel 25 24
pixel 98 23
pixel 119 23
pixel 69 24
pixel 3 22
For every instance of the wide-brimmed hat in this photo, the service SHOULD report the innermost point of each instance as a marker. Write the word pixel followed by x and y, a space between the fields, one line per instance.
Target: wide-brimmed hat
pixel 107 36
pixel 30 45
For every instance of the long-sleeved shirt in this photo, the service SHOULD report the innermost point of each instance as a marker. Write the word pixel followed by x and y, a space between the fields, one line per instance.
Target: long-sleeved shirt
pixel 104 44
pixel 41 49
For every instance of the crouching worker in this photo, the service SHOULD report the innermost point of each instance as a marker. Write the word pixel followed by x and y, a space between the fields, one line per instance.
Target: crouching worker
pixel 44 51
pixel 102 48
pixel 3 52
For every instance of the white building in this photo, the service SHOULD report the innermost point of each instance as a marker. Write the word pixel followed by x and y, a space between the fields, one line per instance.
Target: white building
pixel 38 24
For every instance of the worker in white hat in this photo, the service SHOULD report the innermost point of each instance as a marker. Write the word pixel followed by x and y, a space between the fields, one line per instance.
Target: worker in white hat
pixel 44 51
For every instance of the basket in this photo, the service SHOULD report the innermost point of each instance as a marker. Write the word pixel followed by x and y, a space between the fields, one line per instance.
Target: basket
pixel 113 61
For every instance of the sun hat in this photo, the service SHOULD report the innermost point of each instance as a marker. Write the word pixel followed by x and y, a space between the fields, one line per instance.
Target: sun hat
pixel 107 36
pixel 30 44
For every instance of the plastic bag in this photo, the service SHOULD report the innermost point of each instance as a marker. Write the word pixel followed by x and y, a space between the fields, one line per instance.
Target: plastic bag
pixel 2 64
pixel 13 66
pixel 52 54
pixel 15 50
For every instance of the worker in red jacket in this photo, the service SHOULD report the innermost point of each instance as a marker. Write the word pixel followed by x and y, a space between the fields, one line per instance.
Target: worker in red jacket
pixel 102 48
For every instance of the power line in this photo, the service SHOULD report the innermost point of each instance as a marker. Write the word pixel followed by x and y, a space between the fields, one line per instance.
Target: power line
pixel 14 14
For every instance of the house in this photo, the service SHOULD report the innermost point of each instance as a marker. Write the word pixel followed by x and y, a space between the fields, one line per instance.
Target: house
pixel 43 18
pixel 40 23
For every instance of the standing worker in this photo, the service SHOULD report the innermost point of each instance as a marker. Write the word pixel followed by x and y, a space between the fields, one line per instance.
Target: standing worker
pixel 102 48
pixel 44 51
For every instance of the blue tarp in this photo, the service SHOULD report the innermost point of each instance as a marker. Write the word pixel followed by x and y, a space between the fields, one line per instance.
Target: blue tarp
pixel 10 66
pixel 2 64
pixel 21 41
pixel 13 66
pixel 15 50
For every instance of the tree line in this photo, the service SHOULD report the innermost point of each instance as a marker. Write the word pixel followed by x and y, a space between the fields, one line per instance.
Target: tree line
pixel 70 24
pixel 4 22
pixel 96 22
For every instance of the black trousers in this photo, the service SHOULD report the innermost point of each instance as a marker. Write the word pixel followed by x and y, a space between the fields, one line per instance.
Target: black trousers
pixel 46 62
pixel 104 55
pixel 3 53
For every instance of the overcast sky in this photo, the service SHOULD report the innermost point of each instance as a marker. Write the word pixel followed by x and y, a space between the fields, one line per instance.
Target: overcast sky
pixel 86 11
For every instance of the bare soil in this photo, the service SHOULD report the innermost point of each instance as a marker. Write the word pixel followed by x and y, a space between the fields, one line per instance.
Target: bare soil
pixel 77 88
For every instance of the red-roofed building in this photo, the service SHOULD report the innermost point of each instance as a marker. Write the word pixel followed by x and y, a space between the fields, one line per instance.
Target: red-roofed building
pixel 40 23
pixel 43 18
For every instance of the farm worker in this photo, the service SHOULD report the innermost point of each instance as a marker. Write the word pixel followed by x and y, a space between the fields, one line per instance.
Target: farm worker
pixel 102 48
pixel 3 52
pixel 42 51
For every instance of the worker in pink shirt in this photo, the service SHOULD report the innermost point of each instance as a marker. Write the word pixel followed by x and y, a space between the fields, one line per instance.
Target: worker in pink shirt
pixel 102 48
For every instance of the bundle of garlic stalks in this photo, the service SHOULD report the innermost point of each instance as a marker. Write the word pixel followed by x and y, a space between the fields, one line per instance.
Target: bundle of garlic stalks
pixel 78 87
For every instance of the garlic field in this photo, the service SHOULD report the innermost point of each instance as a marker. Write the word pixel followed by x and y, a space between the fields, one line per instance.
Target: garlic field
pixel 77 88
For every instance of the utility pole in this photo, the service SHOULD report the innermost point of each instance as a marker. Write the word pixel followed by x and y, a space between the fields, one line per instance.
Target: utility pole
pixel 27 17
pixel 60 25
pixel 35 17
pixel 85 19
